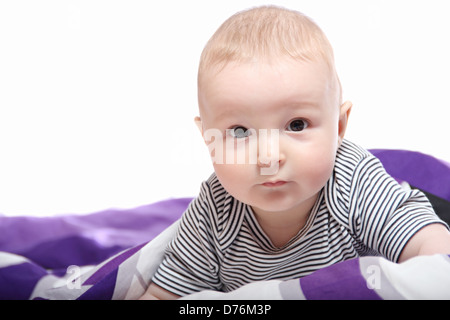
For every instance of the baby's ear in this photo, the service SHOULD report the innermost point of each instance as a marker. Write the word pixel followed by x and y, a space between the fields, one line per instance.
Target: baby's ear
pixel 198 122
pixel 344 114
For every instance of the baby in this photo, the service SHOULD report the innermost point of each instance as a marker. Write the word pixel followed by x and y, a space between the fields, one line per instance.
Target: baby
pixel 289 195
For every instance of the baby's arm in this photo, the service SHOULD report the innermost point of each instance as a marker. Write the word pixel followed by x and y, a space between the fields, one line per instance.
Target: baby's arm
pixel 190 261
pixel 155 292
pixel 432 239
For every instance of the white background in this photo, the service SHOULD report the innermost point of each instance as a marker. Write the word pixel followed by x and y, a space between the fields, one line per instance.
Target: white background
pixel 97 98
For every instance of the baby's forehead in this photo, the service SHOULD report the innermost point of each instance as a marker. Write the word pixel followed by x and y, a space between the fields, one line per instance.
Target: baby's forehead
pixel 285 83
pixel 282 69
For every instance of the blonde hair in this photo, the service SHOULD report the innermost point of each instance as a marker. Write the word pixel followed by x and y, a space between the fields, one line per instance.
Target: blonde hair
pixel 266 33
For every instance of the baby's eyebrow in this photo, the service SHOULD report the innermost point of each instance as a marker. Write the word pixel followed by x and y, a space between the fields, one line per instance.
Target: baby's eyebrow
pixel 301 105
pixel 227 114
pixel 231 114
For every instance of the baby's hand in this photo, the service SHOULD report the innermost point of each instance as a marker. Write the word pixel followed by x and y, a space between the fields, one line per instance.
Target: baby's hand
pixel 155 292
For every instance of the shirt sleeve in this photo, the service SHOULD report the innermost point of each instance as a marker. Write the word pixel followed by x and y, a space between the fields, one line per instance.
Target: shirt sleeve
pixel 190 264
pixel 383 215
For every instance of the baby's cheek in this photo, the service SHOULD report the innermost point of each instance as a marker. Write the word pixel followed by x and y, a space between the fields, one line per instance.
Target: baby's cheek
pixel 321 167
pixel 232 177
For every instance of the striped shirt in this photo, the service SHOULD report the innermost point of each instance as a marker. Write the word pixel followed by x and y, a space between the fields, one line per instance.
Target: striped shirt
pixel 360 211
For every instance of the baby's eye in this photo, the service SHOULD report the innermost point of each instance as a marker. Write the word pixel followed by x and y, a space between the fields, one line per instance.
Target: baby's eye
pixel 297 125
pixel 239 132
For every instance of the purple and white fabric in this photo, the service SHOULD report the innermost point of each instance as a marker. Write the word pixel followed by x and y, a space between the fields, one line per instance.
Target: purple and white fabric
pixel 114 253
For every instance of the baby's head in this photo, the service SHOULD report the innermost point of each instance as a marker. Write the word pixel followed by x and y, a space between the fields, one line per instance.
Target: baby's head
pixel 266 35
pixel 269 73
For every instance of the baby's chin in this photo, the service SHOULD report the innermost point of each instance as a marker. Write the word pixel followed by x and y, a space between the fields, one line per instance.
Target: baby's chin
pixel 271 210
pixel 282 203
pixel 272 206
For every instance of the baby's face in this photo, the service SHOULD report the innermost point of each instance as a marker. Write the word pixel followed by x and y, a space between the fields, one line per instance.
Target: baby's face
pixel 292 110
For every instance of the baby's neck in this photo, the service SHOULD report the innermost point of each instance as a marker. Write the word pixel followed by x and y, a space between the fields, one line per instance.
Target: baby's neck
pixel 281 236
pixel 282 226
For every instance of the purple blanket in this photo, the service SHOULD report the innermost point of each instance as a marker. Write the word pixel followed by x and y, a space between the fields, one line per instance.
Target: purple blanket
pixel 112 254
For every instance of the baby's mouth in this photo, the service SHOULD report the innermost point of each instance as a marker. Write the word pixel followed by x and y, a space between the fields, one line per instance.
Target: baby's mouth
pixel 274 184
